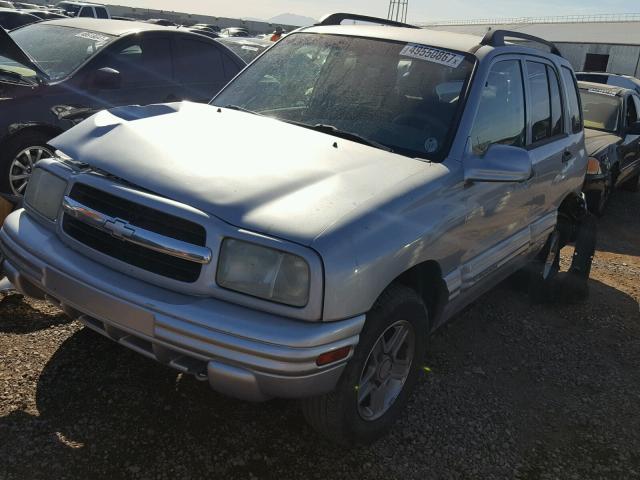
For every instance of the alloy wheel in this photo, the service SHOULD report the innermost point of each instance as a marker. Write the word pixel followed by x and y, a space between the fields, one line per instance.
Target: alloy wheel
pixel 22 167
pixel 386 370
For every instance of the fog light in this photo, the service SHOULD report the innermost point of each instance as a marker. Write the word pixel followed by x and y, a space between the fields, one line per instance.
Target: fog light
pixel 333 356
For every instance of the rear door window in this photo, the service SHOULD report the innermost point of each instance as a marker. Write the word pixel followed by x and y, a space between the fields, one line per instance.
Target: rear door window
pixel 101 12
pixel 540 101
pixel 86 12
pixel 501 112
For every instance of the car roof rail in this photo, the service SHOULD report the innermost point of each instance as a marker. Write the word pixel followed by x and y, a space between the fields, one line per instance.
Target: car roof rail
pixel 338 18
pixel 496 38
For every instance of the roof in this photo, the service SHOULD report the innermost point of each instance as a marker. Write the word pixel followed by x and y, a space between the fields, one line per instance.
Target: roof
pixel 610 89
pixel 442 39
pixel 117 28
pixel 620 33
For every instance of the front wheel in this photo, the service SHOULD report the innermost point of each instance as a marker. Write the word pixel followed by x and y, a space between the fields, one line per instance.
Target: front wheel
pixel 377 382
pixel 18 158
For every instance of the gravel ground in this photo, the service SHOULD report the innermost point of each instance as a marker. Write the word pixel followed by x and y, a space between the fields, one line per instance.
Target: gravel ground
pixel 516 391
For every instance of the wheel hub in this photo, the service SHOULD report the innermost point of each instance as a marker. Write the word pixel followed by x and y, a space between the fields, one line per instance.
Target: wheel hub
pixel 22 165
pixel 384 370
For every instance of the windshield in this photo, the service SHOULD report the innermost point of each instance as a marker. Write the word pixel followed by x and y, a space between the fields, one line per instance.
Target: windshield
pixel 402 96
pixel 70 9
pixel 601 112
pixel 57 50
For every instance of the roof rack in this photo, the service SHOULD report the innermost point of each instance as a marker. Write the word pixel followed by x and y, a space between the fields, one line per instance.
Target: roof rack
pixel 338 18
pixel 496 38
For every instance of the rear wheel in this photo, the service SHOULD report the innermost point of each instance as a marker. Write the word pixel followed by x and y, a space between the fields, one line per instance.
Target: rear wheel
pixel 378 380
pixel 18 157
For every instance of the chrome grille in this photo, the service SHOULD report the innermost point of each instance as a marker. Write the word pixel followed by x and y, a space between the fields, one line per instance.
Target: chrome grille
pixel 144 237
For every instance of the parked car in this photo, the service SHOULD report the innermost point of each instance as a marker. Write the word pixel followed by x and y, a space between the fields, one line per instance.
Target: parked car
pixel 45 14
pixel 234 32
pixel 62 71
pixel 162 21
pixel 210 26
pixel 202 31
pixel 10 19
pixel 612 129
pixel 84 9
pixel 343 213
pixel 5 4
pixel 613 79
pixel 26 6
pixel 246 48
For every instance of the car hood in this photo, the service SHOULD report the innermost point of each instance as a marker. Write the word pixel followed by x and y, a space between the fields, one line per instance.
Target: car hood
pixel 10 49
pixel 254 172
pixel 596 141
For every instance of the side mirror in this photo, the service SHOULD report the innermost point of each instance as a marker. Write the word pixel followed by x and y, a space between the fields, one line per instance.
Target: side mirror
pixel 105 79
pixel 634 129
pixel 501 163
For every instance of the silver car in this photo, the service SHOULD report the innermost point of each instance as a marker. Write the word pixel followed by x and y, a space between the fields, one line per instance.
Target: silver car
pixel 302 236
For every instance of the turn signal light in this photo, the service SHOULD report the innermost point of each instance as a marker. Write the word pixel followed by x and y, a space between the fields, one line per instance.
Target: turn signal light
pixel 333 356
pixel 593 166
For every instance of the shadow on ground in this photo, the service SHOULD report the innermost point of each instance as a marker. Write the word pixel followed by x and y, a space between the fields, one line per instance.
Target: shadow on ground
pixel 552 383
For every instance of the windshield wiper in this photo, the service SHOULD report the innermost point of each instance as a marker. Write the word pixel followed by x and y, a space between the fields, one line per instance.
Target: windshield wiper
pixel 335 131
pixel 241 109
pixel 17 76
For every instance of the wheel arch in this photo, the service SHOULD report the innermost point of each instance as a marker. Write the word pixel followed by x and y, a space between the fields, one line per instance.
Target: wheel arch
pixel 426 279
pixel 18 129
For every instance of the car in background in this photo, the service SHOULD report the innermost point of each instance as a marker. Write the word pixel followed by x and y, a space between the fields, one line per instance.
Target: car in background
pixel 83 9
pixel 162 21
pixel 10 19
pixel 26 6
pixel 246 48
pixel 5 4
pixel 56 73
pixel 613 79
pixel 43 14
pixel 612 132
pixel 210 26
pixel 234 32
pixel 207 32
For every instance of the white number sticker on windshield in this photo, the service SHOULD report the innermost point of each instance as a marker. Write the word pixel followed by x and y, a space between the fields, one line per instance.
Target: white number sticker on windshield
pixel 433 55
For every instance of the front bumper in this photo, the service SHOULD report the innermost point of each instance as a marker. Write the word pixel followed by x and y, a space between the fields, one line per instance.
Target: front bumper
pixel 242 352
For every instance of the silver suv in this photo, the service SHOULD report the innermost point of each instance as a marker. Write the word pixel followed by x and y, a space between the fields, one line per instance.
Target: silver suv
pixel 301 236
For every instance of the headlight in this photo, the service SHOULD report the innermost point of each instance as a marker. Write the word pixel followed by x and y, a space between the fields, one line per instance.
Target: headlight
pixel 263 272
pixel 45 192
pixel 593 166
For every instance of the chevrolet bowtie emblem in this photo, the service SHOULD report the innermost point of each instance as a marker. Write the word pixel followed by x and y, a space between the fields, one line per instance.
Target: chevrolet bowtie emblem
pixel 119 229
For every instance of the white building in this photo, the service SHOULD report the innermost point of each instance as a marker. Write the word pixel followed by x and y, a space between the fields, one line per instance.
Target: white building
pixel 608 43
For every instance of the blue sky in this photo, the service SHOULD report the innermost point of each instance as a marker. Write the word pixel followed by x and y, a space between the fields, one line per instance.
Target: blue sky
pixel 419 10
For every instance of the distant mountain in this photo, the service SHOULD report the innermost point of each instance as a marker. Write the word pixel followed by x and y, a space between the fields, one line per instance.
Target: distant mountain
pixel 292 19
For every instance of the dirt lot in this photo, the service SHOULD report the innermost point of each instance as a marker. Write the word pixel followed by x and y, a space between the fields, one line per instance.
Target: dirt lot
pixel 516 391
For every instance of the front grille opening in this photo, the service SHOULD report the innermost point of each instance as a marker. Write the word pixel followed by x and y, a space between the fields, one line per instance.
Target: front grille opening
pixel 154 262
pixel 140 216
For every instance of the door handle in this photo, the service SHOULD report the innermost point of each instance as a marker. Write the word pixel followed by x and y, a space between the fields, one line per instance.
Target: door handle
pixel 566 156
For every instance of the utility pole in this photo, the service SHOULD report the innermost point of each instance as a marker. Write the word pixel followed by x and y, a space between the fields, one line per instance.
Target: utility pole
pixel 398 10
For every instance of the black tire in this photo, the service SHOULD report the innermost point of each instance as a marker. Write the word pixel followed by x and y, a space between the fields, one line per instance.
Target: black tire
pixel 633 184
pixel 576 285
pixel 336 415
pixel 544 269
pixel 13 147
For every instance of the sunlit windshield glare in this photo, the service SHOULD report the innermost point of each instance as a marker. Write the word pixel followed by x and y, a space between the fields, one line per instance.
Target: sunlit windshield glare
pixel 376 89
pixel 601 112
pixel 58 51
